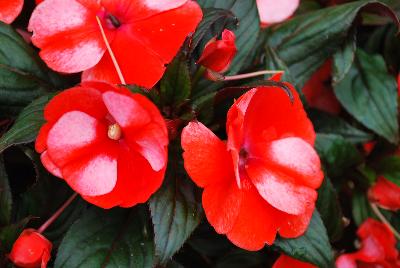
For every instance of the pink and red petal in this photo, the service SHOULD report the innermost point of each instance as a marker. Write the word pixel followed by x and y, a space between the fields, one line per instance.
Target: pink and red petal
pixel 292 226
pixel 386 194
pixel 41 140
pixel 279 189
pixel 49 165
pixel 271 11
pixel 10 9
pixel 205 156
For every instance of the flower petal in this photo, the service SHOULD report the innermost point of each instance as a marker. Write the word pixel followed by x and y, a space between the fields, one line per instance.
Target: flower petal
pixel 279 189
pixel 272 11
pixel 49 165
pixel 94 174
pixel 10 9
pixel 221 202
pixel 292 226
pixel 205 156
pixel 68 34
pixel 41 140
pixel 73 136
pixel 386 194
pixel 285 261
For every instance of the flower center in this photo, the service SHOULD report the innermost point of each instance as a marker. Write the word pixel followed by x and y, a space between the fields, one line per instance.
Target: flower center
pixel 243 155
pixel 112 21
pixel 114 132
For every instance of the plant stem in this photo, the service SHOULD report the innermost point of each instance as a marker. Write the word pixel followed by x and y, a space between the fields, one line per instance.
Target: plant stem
pixel 198 74
pixel 57 213
pixel 378 213
pixel 114 60
pixel 250 75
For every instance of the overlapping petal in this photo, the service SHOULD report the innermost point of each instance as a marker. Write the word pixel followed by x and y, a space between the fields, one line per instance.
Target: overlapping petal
pixel 10 9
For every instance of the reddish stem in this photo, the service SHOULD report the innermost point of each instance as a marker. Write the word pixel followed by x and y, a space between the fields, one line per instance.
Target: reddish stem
pixel 57 214
pixel 249 75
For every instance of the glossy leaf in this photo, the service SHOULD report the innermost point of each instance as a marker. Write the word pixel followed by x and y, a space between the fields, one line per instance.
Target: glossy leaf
pixel 312 247
pixel 5 196
pixel 344 57
pixel 361 208
pixel 369 93
pixel 107 238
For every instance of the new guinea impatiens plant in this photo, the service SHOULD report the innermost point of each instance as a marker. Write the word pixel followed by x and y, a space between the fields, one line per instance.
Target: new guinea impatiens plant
pixel 199 133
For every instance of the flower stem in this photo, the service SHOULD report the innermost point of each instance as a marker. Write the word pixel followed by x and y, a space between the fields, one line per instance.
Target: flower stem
pixel 114 60
pixel 378 213
pixel 57 213
pixel 250 75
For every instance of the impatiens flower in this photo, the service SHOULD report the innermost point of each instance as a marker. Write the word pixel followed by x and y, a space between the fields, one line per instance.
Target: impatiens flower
pixel 218 54
pixel 288 262
pixel 272 11
pixel 378 248
pixel 108 144
pixel 318 90
pixel 385 194
pixel 263 180
pixel 10 9
pixel 144 35
pixel 31 250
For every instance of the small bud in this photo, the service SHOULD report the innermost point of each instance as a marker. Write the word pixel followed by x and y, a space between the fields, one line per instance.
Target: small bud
pixel 114 132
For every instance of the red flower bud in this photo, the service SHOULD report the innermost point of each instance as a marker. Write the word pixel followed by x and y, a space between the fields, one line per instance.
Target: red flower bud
pixel 108 144
pixel 272 11
pixel 31 250
pixel 318 90
pixel 378 248
pixel 143 35
pixel 263 180
pixel 10 9
pixel 218 54
pixel 288 262
pixel 385 194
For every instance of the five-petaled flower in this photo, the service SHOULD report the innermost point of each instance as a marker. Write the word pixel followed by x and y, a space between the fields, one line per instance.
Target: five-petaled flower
pixel 272 11
pixel 378 248
pixel 318 90
pixel 264 179
pixel 285 261
pixel 385 194
pixel 144 35
pixel 108 144
pixel 218 54
pixel 10 9
pixel 31 250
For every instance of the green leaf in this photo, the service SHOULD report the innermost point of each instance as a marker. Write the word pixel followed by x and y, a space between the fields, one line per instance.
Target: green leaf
pixel 344 57
pixel 175 212
pixel 330 210
pixel 328 124
pixel 27 125
pixel 238 258
pixel 5 196
pixel 389 167
pixel 312 247
pixel 369 93
pixel 247 31
pixel 108 238
pixel 23 76
pixel 360 208
pixel 336 154
pixel 214 21
pixel 176 86
pixel 305 42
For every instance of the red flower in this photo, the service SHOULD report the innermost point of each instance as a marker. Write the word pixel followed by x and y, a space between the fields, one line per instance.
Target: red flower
pixel 38 1
pixel 10 9
pixel 318 90
pixel 144 36
pixel 288 262
pixel 398 84
pixel 378 248
pixel 108 144
pixel 31 250
pixel 263 180
pixel 386 194
pixel 218 54
pixel 272 11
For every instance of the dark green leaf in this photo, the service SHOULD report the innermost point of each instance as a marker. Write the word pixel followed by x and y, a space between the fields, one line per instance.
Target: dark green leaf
pixel 175 213
pixel 305 42
pixel 344 57
pixel 336 154
pixel 5 196
pixel 361 208
pixel 369 93
pixel 241 259
pixel 389 167
pixel 27 125
pixel 312 247
pixel 176 85
pixel 328 124
pixel 330 210
pixel 107 238
pixel 10 233
pixel 248 30
pixel 214 21
pixel 23 76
